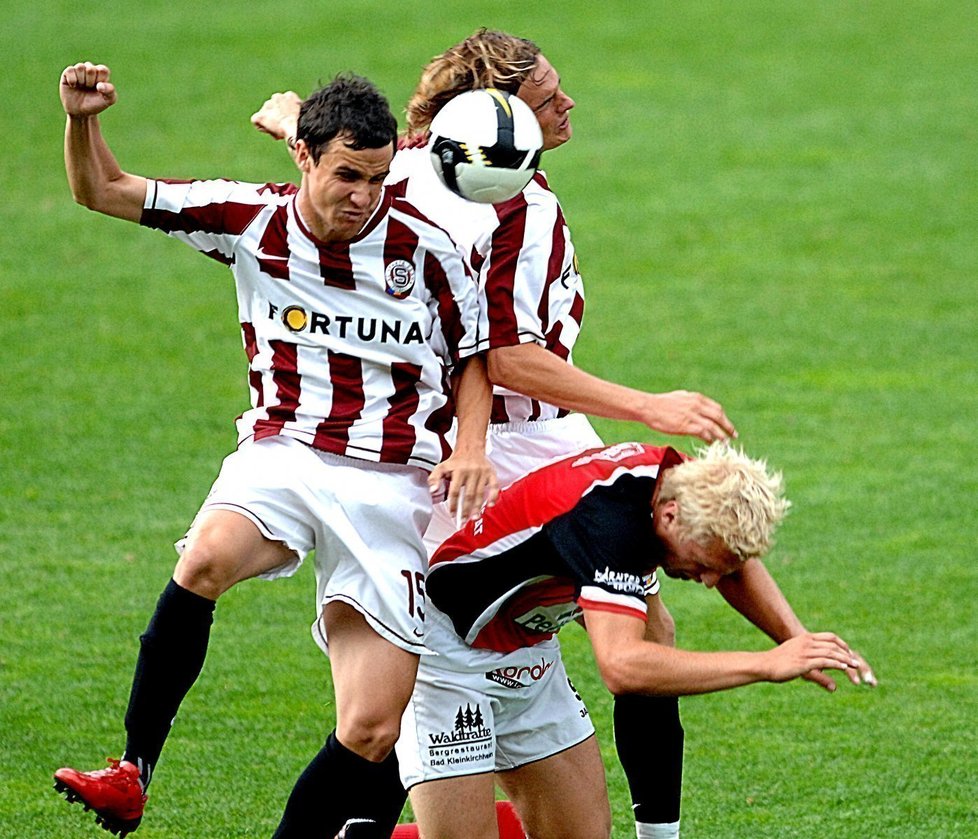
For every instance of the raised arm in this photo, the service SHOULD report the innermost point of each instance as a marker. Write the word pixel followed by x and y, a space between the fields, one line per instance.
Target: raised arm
pixel 278 117
pixel 95 178
pixel 535 372
pixel 630 664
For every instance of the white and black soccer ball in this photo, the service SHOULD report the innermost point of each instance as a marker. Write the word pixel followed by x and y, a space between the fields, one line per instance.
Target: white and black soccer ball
pixel 485 145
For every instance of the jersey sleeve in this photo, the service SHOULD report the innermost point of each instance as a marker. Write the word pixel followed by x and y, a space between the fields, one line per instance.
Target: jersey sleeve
pixel 210 216
pixel 607 542
pixel 530 288
pixel 454 298
pixel 457 301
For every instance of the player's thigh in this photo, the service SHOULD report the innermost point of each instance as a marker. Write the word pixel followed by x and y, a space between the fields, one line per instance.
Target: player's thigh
pixel 562 797
pixel 224 547
pixel 369 548
pixel 372 680
pixel 456 808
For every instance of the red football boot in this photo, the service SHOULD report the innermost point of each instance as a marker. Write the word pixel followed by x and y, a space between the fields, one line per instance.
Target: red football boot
pixel 115 794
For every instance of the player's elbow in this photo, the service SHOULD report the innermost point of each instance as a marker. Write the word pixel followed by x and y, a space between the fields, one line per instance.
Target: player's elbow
pixel 84 197
pixel 507 366
pixel 95 201
pixel 616 675
pixel 498 366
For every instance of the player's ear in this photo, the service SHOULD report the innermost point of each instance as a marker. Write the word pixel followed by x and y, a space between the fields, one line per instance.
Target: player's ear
pixel 303 157
pixel 666 514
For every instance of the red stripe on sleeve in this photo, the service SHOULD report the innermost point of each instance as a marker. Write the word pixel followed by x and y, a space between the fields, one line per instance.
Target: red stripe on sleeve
pixel 273 250
pixel 555 265
pixel 507 242
pixel 614 608
pixel 448 311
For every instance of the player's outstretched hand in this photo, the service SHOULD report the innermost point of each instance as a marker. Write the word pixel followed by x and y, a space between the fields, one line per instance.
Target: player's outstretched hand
pixel 471 483
pixel 806 655
pixel 687 413
pixel 279 115
pixel 86 90
pixel 860 674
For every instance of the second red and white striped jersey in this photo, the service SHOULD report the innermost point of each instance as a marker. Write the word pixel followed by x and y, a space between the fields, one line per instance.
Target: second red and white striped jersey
pixel 530 289
pixel 348 344
pixel 568 537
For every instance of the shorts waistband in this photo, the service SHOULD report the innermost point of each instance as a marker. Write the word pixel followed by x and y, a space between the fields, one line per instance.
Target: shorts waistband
pixel 532 426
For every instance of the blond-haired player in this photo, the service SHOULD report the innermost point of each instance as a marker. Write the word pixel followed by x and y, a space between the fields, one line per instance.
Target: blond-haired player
pixel 578 539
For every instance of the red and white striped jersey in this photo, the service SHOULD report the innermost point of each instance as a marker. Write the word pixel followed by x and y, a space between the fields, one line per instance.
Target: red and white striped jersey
pixel 348 344
pixel 530 289
pixel 568 537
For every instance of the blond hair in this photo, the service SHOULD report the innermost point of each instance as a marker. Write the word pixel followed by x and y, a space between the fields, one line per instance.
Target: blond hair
pixel 487 58
pixel 725 494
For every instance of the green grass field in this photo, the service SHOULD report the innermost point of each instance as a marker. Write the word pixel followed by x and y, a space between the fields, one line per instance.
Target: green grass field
pixel 774 203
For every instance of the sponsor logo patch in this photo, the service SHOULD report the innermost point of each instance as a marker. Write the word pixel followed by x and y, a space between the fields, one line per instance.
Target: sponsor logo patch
pixel 399 278
pixel 469 741
pixel 366 329
pixel 620 581
pixel 513 677
pixel 548 619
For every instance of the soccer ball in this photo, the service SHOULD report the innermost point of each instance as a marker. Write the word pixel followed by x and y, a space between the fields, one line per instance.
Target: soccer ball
pixel 485 145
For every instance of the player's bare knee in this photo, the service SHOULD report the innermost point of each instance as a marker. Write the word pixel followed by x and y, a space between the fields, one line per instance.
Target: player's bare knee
pixel 206 569
pixel 372 739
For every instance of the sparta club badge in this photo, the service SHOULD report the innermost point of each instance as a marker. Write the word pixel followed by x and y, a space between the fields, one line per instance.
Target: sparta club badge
pixel 399 277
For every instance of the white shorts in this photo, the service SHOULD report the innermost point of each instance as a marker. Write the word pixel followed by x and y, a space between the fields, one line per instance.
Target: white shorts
pixel 475 711
pixel 365 521
pixel 515 448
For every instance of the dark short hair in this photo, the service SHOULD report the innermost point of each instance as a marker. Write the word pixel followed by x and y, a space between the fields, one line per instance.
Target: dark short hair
pixel 350 105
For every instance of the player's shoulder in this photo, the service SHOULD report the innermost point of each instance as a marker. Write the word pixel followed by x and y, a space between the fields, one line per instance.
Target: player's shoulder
pixel 536 201
pixel 429 232
pixel 631 458
pixel 229 189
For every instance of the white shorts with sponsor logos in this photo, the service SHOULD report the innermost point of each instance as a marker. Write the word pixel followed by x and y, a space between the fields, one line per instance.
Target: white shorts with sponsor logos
pixel 475 711
pixel 364 520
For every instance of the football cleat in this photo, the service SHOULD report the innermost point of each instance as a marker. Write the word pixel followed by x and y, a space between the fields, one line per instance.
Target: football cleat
pixel 115 794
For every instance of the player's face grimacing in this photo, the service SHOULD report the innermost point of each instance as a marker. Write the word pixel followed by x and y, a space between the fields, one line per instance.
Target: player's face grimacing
pixel 705 564
pixel 342 189
pixel 542 92
pixel 684 559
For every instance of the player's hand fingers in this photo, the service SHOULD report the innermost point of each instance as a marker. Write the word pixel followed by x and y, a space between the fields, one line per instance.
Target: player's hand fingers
pixel 862 673
pixel 95 73
pixel 459 508
pixel 711 422
pixel 821 679
pixel 492 489
pixel 436 481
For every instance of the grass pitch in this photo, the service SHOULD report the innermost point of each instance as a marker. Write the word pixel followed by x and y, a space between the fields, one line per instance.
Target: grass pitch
pixel 773 203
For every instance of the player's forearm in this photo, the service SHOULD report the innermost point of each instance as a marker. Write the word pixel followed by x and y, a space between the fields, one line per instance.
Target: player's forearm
pixel 540 374
pixel 95 177
pixel 665 671
pixel 473 405
pixel 753 592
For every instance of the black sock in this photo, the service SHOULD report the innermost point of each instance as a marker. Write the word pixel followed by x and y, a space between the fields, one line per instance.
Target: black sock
pixel 649 739
pixel 337 786
pixel 171 655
